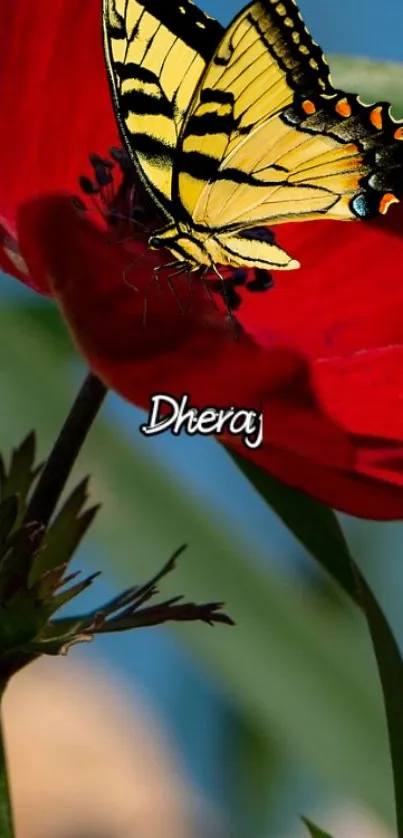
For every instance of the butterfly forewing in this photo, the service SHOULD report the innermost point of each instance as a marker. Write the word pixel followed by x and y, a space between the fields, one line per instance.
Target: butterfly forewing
pixel 155 53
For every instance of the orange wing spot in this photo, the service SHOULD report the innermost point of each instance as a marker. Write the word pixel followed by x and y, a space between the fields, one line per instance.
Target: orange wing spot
pixel 398 135
pixel 376 118
pixel 352 148
pixel 309 107
pixel 386 201
pixel 343 108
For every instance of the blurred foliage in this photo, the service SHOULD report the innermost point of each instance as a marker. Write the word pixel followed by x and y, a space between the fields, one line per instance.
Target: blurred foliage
pixel 314 831
pixel 314 525
pixel 373 80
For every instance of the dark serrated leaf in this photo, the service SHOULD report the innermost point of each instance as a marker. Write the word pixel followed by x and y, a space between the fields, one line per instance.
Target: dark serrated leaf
pixel 63 628
pixel 313 524
pixel 8 517
pixel 65 596
pixel 132 598
pixel 49 582
pixel 19 478
pixel 20 622
pixel 145 592
pixel 15 564
pixel 169 611
pixel 65 533
pixel 314 831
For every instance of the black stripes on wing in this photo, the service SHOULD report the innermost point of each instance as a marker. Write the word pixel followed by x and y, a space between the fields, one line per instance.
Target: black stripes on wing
pixel 218 118
pixel 257 234
pixel 293 48
pixel 154 149
pixel 211 123
pixel 205 167
pixel 188 23
pixel 217 97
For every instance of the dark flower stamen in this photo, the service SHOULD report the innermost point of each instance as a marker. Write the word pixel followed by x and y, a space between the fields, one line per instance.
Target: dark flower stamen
pixel 88 186
pixel 263 281
pixel 115 198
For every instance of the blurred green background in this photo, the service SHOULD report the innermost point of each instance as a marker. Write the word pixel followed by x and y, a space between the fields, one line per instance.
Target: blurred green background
pixel 281 715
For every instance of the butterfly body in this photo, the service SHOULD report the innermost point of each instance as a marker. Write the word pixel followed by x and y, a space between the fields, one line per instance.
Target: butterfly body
pixel 203 248
pixel 232 131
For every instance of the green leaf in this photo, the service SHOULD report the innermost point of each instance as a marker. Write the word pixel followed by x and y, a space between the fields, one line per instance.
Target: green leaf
pixel 314 831
pixel 390 667
pixel 18 479
pixel 373 80
pixel 64 597
pixel 313 524
pixel 298 671
pixel 254 767
pixel 8 518
pixel 16 562
pixel 19 623
pixel 65 533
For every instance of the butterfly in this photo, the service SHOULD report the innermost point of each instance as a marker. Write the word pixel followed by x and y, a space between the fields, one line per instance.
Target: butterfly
pixel 232 130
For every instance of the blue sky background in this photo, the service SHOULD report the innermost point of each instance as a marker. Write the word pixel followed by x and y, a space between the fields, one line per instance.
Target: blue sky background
pixel 370 28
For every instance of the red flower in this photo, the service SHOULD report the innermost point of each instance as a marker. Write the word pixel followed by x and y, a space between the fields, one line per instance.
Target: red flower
pixel 322 351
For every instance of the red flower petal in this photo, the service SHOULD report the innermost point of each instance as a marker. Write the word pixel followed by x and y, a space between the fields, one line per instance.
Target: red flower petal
pixel 55 102
pixel 364 392
pixel 348 294
pixel 12 262
pixel 355 492
pixel 175 353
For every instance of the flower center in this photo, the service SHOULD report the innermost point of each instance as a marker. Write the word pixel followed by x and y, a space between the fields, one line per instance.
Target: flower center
pixel 116 195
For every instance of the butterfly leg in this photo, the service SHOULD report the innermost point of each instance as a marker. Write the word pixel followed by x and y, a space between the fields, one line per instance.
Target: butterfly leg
pixel 190 279
pixel 172 288
pixel 155 278
pixel 227 300
pixel 206 286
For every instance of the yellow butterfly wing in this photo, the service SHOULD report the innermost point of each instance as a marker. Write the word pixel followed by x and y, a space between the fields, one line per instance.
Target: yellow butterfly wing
pixel 268 139
pixel 156 53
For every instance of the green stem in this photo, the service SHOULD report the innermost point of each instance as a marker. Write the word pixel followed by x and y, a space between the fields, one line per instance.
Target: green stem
pixel 65 450
pixel 390 668
pixel 6 818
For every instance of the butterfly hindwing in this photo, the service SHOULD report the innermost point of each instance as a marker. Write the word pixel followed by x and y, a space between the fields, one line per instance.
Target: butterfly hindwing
pixel 155 53
pixel 268 139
